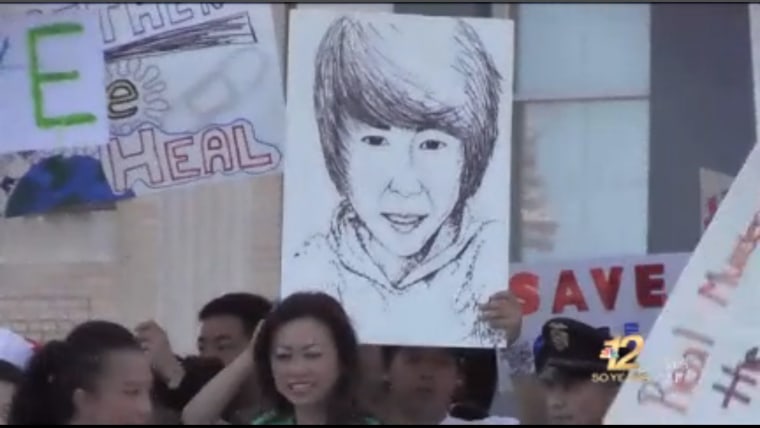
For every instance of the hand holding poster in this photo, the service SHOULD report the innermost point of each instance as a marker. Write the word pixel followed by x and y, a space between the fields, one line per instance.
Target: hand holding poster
pixel 709 327
pixel 51 82
pixel 396 193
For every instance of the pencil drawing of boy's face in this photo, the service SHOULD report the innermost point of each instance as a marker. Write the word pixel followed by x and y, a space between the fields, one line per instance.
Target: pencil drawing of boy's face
pixel 403 183
pixel 407 122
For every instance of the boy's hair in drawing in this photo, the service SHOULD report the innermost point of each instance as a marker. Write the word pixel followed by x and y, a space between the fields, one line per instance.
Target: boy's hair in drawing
pixel 361 78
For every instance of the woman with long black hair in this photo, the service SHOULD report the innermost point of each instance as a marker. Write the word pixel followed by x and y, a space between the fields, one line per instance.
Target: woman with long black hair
pixel 98 375
pixel 306 358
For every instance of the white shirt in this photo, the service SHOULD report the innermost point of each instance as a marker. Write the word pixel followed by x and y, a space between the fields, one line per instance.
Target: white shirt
pixel 491 420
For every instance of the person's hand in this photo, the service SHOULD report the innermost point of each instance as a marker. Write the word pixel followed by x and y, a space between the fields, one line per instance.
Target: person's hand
pixel 155 342
pixel 503 312
pixel 246 358
pixel 254 337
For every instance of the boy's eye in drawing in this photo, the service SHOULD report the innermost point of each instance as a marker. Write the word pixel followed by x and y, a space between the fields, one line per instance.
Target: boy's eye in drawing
pixel 374 140
pixel 432 145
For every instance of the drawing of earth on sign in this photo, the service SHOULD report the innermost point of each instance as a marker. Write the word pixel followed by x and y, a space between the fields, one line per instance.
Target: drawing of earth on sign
pixel 36 182
pixel 56 182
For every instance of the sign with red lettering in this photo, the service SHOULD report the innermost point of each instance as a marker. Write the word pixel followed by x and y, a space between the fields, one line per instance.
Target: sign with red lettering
pixel 194 95
pixel 709 324
pixel 51 75
pixel 601 292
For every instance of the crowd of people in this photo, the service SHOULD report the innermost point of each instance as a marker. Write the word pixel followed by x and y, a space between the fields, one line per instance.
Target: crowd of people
pixel 299 361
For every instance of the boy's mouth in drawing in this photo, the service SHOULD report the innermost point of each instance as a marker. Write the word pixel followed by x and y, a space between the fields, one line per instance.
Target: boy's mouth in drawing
pixel 404 223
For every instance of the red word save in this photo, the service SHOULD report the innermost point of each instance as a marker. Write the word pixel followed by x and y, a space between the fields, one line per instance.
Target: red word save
pixel 650 287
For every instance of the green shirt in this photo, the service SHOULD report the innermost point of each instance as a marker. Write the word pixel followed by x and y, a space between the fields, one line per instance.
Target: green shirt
pixel 273 418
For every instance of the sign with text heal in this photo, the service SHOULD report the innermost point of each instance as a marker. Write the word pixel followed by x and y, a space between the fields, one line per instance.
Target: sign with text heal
pixel 51 82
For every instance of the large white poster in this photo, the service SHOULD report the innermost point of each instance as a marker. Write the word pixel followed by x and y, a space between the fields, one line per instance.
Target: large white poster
pixel 397 178
pixel 708 331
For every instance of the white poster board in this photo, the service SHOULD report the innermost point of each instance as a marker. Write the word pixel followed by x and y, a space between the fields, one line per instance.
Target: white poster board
pixel 624 294
pixel 396 195
pixel 708 329
pixel 51 82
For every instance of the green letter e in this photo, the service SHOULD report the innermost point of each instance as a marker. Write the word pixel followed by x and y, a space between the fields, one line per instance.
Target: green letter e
pixel 38 78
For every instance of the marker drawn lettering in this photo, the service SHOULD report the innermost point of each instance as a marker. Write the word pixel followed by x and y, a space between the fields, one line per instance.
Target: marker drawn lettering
pixel 751 363
pixel 38 78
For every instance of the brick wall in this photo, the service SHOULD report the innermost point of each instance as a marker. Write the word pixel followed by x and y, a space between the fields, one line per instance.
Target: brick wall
pixel 44 301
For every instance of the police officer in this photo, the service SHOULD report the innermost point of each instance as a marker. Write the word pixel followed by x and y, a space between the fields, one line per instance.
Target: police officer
pixel 579 389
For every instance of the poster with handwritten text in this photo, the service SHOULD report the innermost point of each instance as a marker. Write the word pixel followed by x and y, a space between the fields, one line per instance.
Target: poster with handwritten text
pixel 51 80
pixel 707 332
pixel 194 95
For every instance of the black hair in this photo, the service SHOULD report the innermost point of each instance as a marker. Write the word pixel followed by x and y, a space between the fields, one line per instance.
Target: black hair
pixel 342 407
pixel 55 372
pixel 480 372
pixel 390 352
pixel 249 308
pixel 198 372
pixel 10 373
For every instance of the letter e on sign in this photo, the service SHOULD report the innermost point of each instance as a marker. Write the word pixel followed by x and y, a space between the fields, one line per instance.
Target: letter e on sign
pixel 53 75
pixel 38 78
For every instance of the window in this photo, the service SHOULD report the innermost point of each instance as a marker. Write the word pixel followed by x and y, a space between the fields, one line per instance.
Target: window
pixel 581 129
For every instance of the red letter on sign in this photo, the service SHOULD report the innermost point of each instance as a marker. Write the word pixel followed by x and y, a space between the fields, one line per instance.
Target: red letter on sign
pixel 650 287
pixel 524 285
pixel 568 293
pixel 607 286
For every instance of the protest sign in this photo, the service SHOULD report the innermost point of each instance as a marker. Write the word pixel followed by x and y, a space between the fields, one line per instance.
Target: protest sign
pixel 396 186
pixel 51 82
pixel 713 187
pixel 612 292
pixel 709 326
pixel 194 95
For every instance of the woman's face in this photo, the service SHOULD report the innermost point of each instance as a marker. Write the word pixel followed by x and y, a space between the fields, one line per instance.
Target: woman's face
pixel 305 363
pixel 7 390
pixel 578 403
pixel 122 394
pixel 403 183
